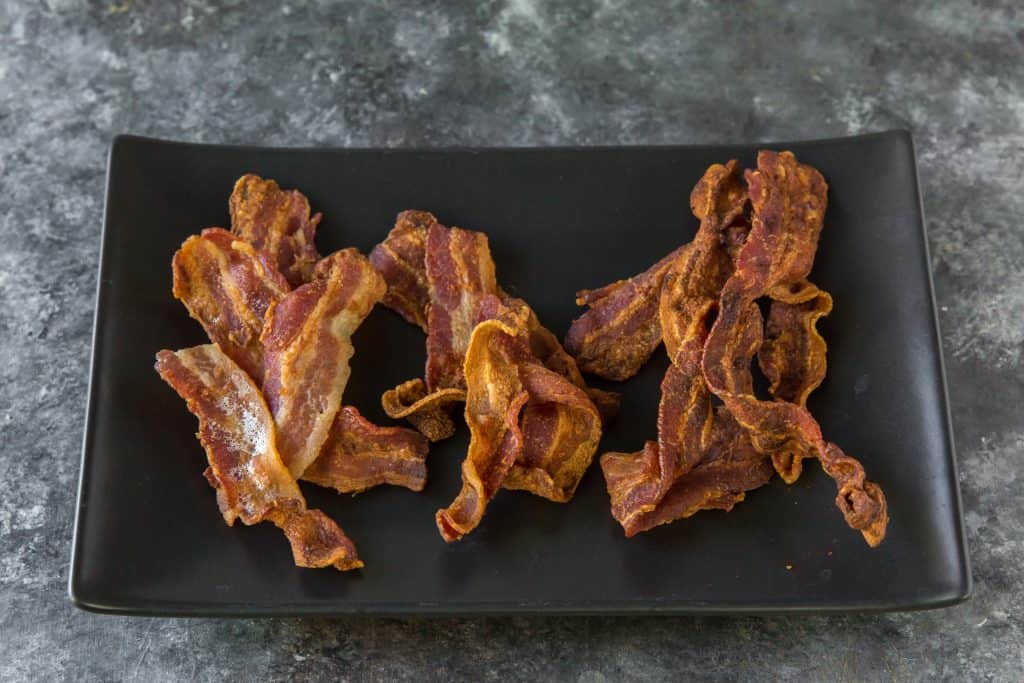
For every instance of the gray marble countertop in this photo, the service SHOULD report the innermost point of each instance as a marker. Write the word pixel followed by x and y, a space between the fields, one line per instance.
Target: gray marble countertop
pixel 518 72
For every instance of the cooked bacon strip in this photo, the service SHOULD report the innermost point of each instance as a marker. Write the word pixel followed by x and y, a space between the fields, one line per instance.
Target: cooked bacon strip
pixel 400 260
pixel 621 330
pixel 308 345
pixel 729 468
pixel 494 399
pixel 792 356
pixel 530 427
pixel 788 209
pixel 278 223
pixel 252 483
pixel 638 482
pixel 461 274
pixel 546 348
pixel 359 455
pixel 561 428
pixel 228 286
pixel 428 413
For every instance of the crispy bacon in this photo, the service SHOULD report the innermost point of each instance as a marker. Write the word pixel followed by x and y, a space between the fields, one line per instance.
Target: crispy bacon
pixel 251 481
pixel 400 261
pixel 359 455
pixel 461 274
pixel 278 223
pixel 621 329
pixel 457 284
pixel 530 427
pixel 639 482
pixel 307 338
pixel 788 209
pixel 792 355
pixel 561 428
pixel 493 402
pixel 228 286
pixel 728 468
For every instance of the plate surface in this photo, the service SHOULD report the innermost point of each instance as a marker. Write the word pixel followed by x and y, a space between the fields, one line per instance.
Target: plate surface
pixel 149 538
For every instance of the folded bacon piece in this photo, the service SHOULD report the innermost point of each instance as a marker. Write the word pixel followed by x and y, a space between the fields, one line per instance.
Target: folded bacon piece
pixel 228 286
pixel 400 260
pixel 359 455
pixel 638 482
pixel 495 397
pixel 792 356
pixel 307 341
pixel 278 223
pixel 788 201
pixel 252 483
pixel 428 413
pixel 443 279
pixel 561 428
pixel 530 427
pixel 460 273
pixel 621 329
pixel 729 467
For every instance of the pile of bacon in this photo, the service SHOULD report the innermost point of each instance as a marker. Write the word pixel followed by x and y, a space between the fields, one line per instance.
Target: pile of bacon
pixel 268 390
pixel 757 239
pixel 534 424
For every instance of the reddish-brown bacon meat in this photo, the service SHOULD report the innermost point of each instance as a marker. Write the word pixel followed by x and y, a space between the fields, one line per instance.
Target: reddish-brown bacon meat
pixel 278 223
pixel 228 286
pixel 251 482
pixel 308 342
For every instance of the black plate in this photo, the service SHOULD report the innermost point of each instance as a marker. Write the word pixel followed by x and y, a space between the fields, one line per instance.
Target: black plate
pixel 149 539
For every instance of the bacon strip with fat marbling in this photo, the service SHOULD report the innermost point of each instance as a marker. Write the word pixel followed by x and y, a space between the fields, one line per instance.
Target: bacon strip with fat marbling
pixel 530 427
pixel 227 286
pixel 358 455
pixel 307 342
pixel 278 223
pixel 789 202
pixel 238 434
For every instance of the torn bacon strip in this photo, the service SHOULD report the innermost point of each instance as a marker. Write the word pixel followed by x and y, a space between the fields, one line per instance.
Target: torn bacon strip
pixel 788 201
pixel 359 455
pixel 228 286
pixel 307 341
pixel 278 223
pixel 251 481
pixel 530 427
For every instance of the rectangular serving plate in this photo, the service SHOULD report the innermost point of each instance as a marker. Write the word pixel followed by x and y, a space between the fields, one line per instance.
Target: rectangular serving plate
pixel 148 536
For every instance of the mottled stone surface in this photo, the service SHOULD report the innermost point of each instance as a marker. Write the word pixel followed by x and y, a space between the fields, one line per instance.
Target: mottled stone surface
pixel 518 72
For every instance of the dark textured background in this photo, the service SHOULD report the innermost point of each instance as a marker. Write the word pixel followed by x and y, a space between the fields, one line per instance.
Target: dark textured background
pixel 503 73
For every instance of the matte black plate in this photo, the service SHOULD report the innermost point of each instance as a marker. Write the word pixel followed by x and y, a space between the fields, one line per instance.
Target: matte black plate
pixel 149 538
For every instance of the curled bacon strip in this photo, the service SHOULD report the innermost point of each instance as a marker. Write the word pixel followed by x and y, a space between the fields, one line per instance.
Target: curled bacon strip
pixel 530 427
pixel 788 201
pixel 400 260
pixel 228 286
pixel 690 436
pixel 252 483
pixel 278 223
pixel 792 355
pixel 621 329
pixel 359 455
pixel 307 338
pixel 443 279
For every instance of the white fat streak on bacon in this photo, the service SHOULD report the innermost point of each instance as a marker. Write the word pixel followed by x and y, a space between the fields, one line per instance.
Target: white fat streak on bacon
pixel 307 339
pixel 237 430
pixel 252 483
